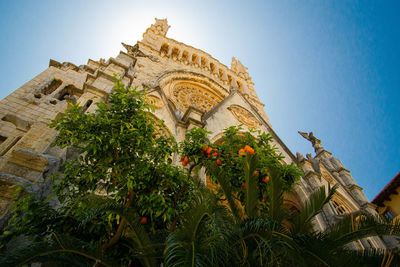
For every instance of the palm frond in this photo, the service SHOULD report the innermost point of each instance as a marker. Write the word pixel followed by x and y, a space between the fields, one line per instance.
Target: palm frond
pixel 301 222
pixel 276 213
pixel 354 227
pixel 368 258
pixel 95 205
pixel 199 241
pixel 55 249
pixel 249 166
pixel 226 187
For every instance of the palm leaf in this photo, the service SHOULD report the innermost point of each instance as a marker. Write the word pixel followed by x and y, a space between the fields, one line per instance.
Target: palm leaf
pixel 301 222
pixel 54 250
pixel 95 205
pixel 275 212
pixel 368 258
pixel 199 241
pixel 226 186
pixel 249 166
pixel 354 227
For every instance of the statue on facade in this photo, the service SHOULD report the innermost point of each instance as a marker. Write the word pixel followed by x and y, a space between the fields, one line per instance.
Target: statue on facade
pixel 316 143
pixel 134 51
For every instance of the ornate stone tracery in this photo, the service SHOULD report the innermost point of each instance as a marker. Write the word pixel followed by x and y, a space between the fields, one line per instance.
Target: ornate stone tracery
pixel 340 206
pixel 187 94
pixel 244 116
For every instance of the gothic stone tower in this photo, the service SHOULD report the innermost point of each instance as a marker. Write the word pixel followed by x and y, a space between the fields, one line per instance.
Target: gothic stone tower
pixel 189 87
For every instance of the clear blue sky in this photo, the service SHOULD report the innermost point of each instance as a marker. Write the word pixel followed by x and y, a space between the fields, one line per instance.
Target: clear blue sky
pixel 331 67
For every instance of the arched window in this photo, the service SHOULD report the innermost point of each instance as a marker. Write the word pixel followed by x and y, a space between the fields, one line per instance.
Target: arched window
pixel 340 206
pixel 195 59
pixel 212 67
pixel 203 62
pixel 185 56
pixel 175 53
pixel 164 49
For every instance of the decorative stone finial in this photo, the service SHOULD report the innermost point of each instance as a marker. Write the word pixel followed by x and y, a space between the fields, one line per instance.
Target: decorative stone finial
pixel 237 66
pixel 153 36
pixel 316 143
pixel 162 26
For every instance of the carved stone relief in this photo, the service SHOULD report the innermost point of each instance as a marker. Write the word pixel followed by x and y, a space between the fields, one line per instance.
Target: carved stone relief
pixel 187 94
pixel 244 116
pixel 340 206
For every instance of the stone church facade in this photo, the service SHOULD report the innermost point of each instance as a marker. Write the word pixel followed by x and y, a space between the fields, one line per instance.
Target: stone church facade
pixel 189 87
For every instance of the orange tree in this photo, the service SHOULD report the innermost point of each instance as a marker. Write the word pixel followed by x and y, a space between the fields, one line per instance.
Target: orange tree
pixel 253 228
pixel 116 197
pixel 227 158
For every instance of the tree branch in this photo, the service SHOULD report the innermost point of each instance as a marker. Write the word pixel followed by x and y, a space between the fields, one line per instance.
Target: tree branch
pixel 121 226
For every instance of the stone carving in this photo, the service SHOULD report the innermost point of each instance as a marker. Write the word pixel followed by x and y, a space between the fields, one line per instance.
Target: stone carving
pixel 187 95
pixel 244 116
pixel 340 206
pixel 161 27
pixel 316 143
pixel 155 101
pixel 134 51
pixel 237 66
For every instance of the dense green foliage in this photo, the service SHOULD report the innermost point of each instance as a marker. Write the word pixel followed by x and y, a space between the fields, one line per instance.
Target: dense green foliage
pixel 124 156
pixel 227 155
pixel 123 203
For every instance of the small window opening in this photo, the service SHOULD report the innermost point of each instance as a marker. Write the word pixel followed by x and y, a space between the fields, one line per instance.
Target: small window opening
pixel 38 95
pixel 339 208
pixel 185 56
pixel 175 52
pixel 51 87
pixel 87 105
pixel 212 67
pixel 67 92
pixel 203 61
pixel 195 58
pixel 164 49
pixel 63 96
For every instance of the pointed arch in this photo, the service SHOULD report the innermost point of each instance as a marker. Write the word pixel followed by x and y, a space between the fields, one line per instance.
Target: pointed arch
pixel 341 205
pixel 185 89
